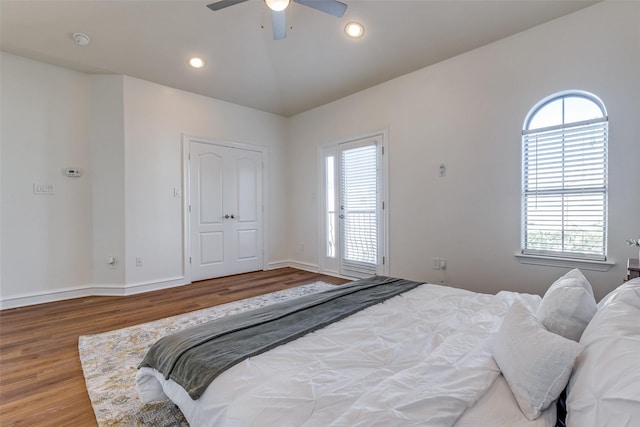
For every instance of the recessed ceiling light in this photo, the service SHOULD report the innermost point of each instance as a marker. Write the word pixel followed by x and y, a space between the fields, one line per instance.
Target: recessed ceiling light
pixel 81 39
pixel 196 62
pixel 354 30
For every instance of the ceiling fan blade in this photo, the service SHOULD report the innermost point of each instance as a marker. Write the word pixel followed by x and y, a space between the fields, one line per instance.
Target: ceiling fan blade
pixel 223 3
pixel 279 24
pixel 332 7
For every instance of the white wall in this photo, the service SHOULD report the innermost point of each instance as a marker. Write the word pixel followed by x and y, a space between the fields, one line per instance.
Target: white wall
pixel 126 135
pixel 107 159
pixel 156 117
pixel 468 113
pixel 46 239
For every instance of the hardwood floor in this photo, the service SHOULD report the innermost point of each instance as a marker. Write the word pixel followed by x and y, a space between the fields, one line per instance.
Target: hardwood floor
pixel 41 381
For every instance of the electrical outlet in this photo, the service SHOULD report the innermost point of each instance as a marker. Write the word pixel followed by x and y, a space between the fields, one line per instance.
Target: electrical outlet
pixel 139 262
pixel 436 263
pixel 443 264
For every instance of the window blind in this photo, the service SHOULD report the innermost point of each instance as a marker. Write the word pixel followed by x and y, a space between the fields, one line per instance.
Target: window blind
pixel 359 217
pixel 565 190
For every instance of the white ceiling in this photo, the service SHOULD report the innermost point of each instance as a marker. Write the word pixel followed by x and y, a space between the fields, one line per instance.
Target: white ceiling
pixel 314 65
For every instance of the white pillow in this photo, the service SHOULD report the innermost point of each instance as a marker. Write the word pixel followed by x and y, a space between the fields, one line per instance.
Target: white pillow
pixel 535 362
pixel 568 305
pixel 604 389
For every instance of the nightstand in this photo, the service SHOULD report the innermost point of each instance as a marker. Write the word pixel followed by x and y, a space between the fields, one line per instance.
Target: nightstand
pixel 633 268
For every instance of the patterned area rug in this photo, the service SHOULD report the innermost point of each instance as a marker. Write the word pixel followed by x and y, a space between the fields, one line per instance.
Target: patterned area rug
pixel 110 360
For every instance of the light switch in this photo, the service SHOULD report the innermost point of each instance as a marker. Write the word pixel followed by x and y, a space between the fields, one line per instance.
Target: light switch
pixel 44 189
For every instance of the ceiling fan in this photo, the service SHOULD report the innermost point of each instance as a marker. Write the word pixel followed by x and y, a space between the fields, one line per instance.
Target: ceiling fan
pixel 278 7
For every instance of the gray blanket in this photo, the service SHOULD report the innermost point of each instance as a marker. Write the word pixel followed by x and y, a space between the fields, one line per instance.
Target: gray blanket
pixel 196 356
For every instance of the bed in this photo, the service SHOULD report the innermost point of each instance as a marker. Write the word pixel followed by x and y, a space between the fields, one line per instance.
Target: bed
pixel 436 356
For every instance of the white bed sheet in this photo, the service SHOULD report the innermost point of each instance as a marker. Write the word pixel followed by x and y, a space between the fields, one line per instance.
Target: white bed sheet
pixel 420 358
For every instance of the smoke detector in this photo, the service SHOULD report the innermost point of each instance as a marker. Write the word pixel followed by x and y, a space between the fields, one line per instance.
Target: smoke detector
pixel 81 39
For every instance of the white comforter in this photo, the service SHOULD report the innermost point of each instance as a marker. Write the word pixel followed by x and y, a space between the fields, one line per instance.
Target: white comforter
pixel 421 358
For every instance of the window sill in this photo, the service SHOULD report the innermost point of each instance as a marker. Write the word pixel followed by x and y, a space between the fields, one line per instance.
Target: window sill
pixel 583 264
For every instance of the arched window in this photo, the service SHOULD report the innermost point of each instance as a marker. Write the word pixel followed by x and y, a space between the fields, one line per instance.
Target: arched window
pixel 564 177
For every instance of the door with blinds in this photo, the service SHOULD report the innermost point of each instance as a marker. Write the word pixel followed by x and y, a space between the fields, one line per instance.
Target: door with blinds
pixel 354 206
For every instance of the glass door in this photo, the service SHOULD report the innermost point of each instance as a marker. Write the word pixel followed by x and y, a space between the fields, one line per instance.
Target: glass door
pixel 352 229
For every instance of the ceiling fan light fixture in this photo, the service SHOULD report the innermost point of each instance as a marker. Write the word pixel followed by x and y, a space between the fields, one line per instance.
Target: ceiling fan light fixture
pixel 277 5
pixel 355 30
pixel 196 62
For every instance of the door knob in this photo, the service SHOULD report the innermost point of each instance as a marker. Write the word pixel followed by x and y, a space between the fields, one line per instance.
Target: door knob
pixel 227 216
pixel 232 216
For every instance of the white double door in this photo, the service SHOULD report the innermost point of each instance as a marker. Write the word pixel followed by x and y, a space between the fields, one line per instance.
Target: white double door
pixel 225 213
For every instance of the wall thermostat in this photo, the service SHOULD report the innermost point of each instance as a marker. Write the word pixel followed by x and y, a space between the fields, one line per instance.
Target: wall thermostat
pixel 73 172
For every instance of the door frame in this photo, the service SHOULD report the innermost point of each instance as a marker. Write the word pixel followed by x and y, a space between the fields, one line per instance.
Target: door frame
pixel 186 194
pixel 384 198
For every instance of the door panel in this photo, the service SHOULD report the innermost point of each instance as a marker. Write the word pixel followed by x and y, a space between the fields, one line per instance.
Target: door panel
pixel 247 244
pixel 247 190
pixel 208 171
pixel 210 183
pixel 211 248
pixel 359 207
pixel 226 210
